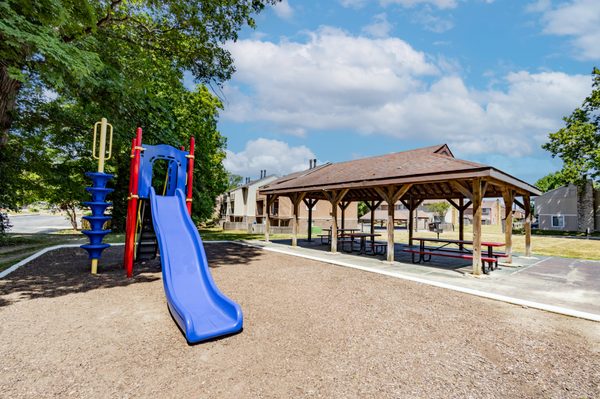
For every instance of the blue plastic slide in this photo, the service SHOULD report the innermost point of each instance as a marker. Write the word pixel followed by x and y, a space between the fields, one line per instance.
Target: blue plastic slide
pixel 195 302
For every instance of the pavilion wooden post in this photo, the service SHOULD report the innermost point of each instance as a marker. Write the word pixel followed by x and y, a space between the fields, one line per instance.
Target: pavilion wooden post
pixel 343 205
pixel 527 208
pixel 372 205
pixel 411 221
pixel 310 204
pixel 270 201
pixel 335 197
pixel 461 221
pixel 508 196
pixel 477 210
pixel 296 199
pixel 391 195
pixel 461 207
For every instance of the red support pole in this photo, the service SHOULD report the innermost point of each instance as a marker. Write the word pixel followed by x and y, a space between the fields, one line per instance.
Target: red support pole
pixel 132 203
pixel 190 176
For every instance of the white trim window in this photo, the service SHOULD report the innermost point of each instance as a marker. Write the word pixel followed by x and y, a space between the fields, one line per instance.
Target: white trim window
pixel 558 221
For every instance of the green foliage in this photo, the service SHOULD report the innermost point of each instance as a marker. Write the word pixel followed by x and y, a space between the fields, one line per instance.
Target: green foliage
pixel 439 208
pixel 233 181
pixel 78 61
pixel 363 209
pixel 578 143
pixel 551 181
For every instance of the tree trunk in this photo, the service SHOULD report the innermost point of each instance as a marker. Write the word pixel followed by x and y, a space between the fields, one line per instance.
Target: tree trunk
pixel 9 88
pixel 72 214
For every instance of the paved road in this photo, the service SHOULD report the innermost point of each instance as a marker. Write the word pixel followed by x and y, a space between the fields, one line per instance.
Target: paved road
pixel 38 223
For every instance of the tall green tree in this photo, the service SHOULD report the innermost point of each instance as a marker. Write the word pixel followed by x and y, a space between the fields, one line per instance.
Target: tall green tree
pixel 67 63
pixel 61 42
pixel 578 143
pixel 578 146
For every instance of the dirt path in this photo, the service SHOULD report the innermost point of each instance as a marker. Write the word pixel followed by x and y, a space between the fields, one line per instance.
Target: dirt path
pixel 311 330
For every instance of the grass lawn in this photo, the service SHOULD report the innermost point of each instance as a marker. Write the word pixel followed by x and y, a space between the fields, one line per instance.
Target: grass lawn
pixel 20 246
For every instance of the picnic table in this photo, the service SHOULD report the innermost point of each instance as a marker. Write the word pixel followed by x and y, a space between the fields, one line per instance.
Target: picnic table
pixel 363 241
pixel 326 238
pixel 455 249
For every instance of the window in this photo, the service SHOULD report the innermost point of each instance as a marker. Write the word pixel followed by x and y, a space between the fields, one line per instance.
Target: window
pixel 486 211
pixel 558 221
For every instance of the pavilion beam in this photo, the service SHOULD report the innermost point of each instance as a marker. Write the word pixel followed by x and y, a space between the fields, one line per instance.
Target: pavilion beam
pixel 335 197
pixel 310 204
pixel 527 203
pixel 296 200
pixel 461 189
pixel 270 201
pixel 477 210
pixel 508 196
pixel 391 195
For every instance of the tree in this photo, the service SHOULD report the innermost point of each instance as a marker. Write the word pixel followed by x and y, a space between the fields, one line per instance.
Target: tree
pixel 578 145
pixel 363 209
pixel 234 181
pixel 64 64
pixel 439 209
pixel 60 42
pixel 551 181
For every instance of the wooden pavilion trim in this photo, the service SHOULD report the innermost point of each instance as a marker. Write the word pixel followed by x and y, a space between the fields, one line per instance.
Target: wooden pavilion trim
pixel 411 177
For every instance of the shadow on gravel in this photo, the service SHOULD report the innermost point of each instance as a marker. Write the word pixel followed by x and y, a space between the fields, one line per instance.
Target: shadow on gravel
pixel 67 271
pixel 219 254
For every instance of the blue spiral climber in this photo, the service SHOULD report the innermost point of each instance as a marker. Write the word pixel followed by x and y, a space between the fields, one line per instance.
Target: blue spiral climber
pixel 98 205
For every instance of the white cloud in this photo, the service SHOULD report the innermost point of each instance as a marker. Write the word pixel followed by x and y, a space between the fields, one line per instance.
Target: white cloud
pixel 277 157
pixel 380 27
pixel 577 19
pixel 356 4
pixel 335 81
pixel 432 22
pixel 442 4
pixel 283 9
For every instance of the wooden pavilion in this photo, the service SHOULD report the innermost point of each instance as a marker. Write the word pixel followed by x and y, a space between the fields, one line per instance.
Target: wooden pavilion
pixel 410 177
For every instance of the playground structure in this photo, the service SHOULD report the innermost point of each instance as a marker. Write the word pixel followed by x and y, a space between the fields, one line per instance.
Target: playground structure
pixel 99 191
pixel 163 223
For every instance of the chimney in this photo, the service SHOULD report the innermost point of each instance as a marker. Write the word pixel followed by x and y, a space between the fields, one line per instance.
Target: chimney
pixel 265 172
pixel 314 163
pixel 310 164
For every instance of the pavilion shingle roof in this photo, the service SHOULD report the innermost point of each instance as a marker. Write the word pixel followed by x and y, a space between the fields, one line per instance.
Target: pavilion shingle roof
pixel 429 161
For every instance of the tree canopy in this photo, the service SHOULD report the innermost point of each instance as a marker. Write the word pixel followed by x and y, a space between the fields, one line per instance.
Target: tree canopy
pixel 578 143
pixel 64 64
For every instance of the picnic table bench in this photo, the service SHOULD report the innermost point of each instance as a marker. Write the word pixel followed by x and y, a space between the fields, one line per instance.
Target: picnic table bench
pixel 489 261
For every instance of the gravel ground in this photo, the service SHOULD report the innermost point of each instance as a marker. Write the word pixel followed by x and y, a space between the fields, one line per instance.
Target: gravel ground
pixel 311 330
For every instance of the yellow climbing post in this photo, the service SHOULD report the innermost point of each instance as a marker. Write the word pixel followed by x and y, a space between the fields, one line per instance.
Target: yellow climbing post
pixel 102 131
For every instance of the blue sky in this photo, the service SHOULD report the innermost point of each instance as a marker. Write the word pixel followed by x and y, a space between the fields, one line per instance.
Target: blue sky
pixel 344 79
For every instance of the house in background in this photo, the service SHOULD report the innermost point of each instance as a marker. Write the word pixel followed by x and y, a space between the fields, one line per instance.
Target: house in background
pixel 238 206
pixel 560 209
pixel 243 208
